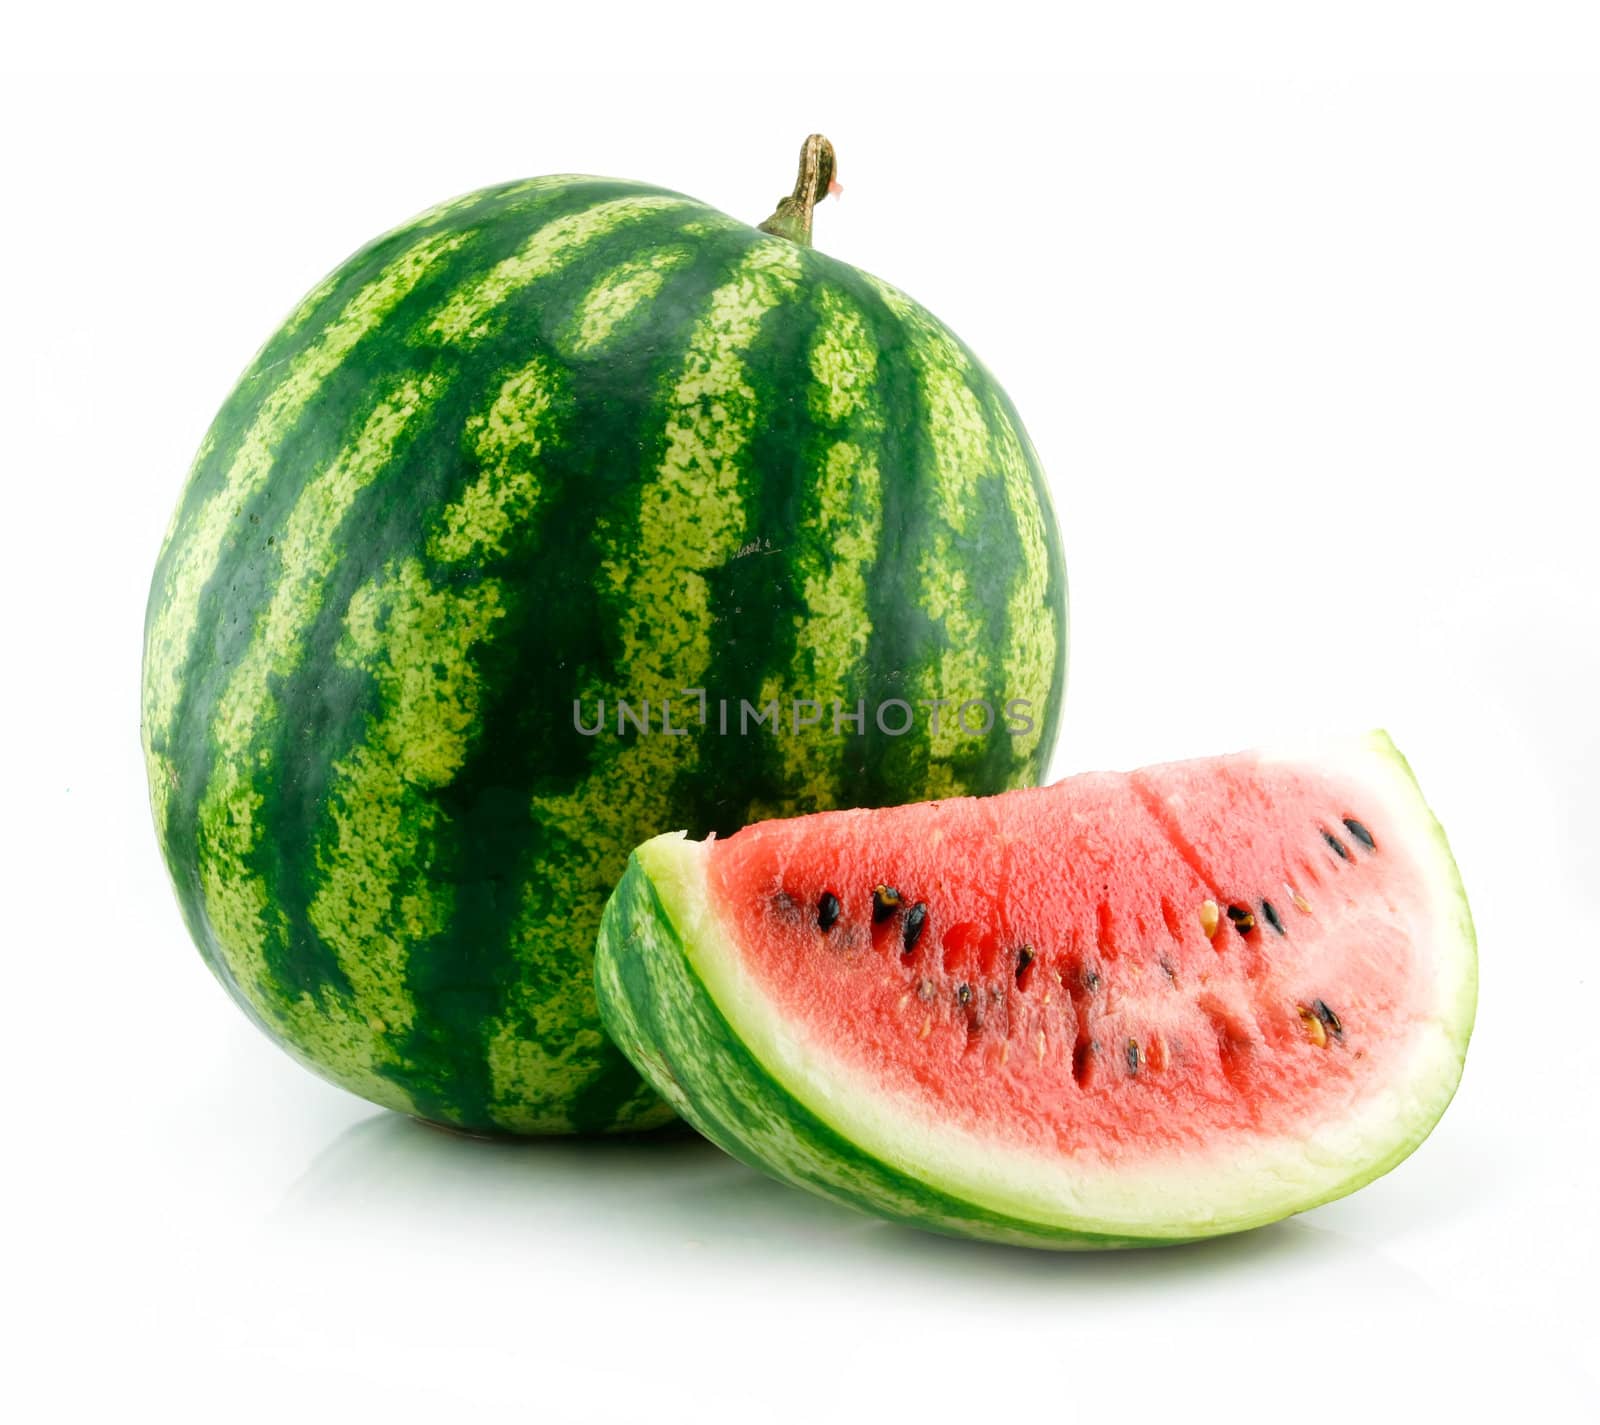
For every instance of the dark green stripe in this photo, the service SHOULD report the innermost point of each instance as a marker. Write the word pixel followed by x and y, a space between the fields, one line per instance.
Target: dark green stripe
pixel 600 479
pixel 902 633
pixel 754 599
pixel 1058 601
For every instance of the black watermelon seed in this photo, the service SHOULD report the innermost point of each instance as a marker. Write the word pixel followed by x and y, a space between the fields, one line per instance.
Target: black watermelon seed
pixel 916 918
pixel 1133 1056
pixel 828 910
pixel 1244 920
pixel 1339 848
pixel 1025 958
pixel 1271 912
pixel 1091 980
pixel 964 994
pixel 1328 1017
pixel 885 902
pixel 1361 834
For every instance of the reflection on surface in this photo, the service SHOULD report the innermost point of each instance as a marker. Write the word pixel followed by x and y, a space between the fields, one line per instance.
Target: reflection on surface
pixel 672 1193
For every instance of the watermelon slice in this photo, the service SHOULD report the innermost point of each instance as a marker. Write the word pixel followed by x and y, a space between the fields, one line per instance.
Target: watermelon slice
pixel 1123 1009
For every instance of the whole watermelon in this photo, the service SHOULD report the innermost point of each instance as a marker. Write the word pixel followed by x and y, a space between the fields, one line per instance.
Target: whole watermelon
pixel 570 512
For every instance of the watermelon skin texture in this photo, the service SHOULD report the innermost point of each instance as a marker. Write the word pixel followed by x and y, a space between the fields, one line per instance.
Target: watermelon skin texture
pixel 771 1109
pixel 570 440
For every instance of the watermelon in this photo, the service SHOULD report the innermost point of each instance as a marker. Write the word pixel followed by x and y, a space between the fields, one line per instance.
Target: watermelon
pixel 569 512
pixel 1120 1010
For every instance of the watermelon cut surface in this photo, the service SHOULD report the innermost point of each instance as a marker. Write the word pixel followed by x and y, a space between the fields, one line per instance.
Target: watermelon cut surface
pixel 1123 1009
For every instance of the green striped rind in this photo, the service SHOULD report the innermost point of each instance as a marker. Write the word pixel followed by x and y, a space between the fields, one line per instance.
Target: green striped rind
pixel 673 996
pixel 571 438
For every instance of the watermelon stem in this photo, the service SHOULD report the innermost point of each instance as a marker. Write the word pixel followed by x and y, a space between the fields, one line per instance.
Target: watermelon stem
pixel 792 219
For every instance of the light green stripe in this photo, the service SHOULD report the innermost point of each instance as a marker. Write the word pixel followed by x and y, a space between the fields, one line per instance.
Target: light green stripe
pixel 836 546
pixel 207 445
pixel 958 433
pixel 465 317
pixel 691 519
pixel 1029 656
pixel 376 902
pixel 428 217
pixel 307 305
pixel 238 904
pixel 620 294
pixel 195 559
pixel 507 440
pixel 691 515
pixel 955 424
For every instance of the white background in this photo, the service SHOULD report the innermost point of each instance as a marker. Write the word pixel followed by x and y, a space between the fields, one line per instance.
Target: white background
pixel 1302 309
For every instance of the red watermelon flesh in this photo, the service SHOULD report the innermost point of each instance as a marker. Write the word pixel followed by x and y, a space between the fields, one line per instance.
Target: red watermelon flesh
pixel 1164 1000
